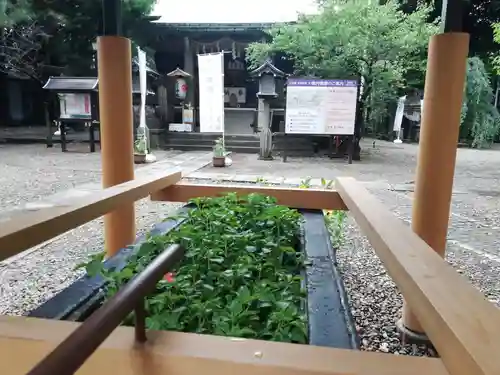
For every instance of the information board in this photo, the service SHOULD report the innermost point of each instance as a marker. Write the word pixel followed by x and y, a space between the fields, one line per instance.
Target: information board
pixel 75 106
pixel 318 106
pixel 211 89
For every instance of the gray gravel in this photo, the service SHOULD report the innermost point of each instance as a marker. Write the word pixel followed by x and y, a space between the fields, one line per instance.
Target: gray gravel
pixel 29 281
pixel 373 297
pixel 30 173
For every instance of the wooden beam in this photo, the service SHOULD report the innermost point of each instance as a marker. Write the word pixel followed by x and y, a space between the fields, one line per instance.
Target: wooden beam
pixel 443 96
pixel 293 197
pixel 117 133
pixel 461 323
pixel 24 341
pixel 28 229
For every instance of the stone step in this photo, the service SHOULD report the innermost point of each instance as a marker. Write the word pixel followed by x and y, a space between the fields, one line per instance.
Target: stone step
pixel 205 142
pixel 201 147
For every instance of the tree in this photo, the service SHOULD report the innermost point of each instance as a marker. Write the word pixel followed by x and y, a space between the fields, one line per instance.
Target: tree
pixel 11 13
pixel 496 55
pixel 478 15
pixel 480 121
pixel 379 44
pixel 37 34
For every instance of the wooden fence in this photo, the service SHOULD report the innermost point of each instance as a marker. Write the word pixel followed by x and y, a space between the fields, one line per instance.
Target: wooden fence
pixel 463 326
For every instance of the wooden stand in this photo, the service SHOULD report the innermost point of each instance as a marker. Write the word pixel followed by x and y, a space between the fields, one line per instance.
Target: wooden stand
pixel 115 103
pixel 443 95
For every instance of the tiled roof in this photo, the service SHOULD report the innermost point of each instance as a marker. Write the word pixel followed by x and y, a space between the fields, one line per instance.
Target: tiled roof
pixel 71 84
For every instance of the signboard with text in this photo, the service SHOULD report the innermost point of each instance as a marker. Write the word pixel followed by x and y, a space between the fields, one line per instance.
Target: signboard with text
pixel 321 106
pixel 75 106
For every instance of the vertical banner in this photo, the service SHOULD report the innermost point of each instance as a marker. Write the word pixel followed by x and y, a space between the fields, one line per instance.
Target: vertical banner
pixel 142 79
pixel 211 89
pixel 398 119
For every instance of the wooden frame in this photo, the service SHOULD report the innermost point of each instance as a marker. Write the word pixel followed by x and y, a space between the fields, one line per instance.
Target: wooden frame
pixel 316 199
pixel 25 341
pixel 463 325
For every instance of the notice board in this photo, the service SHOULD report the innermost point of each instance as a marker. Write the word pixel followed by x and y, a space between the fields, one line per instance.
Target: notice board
pixel 321 106
pixel 75 106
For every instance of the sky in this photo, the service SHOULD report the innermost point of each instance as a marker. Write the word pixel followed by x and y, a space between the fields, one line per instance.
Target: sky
pixel 229 11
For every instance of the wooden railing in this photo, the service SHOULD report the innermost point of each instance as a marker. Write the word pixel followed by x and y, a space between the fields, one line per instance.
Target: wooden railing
pixel 70 355
pixel 462 324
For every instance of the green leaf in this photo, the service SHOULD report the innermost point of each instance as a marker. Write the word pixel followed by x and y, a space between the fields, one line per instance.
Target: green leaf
pixel 217 260
pixel 208 287
pixel 236 307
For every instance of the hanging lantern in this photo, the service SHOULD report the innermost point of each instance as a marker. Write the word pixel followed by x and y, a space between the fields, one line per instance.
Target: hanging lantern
pixel 181 85
pixel 181 88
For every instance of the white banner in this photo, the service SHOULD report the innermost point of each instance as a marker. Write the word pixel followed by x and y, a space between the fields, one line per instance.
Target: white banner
pixel 211 89
pixel 398 119
pixel 321 106
pixel 142 77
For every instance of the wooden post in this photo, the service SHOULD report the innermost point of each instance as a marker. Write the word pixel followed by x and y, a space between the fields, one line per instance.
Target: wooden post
pixel 444 85
pixel 115 105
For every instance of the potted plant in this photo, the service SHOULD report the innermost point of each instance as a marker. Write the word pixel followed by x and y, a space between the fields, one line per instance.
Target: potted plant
pixel 140 150
pixel 219 156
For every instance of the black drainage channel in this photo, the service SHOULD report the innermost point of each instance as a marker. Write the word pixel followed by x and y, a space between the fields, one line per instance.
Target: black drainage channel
pixel 330 320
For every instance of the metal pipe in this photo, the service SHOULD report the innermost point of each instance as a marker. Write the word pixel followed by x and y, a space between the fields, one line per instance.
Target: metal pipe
pixel 71 354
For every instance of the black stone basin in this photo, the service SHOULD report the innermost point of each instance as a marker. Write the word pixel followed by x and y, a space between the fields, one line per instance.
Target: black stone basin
pixel 329 318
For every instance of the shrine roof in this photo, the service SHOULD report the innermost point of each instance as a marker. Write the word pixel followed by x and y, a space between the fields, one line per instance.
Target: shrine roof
pixel 235 27
pixel 83 84
pixel 75 84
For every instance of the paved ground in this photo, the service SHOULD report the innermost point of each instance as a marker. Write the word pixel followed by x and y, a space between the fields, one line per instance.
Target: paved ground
pixel 388 170
pixel 30 173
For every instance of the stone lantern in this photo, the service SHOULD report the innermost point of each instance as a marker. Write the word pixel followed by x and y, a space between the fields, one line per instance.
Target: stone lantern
pixel 267 75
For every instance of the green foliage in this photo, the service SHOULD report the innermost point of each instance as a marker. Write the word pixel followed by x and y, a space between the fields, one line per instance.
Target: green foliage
pixel 140 146
pixel 335 221
pixel 305 184
pixel 355 39
pixel 12 13
pixel 68 29
pixel 480 122
pixel 496 55
pixel 219 149
pixel 241 275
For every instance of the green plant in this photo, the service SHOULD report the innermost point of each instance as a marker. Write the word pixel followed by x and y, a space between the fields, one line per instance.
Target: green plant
pixel 305 184
pixel 327 184
pixel 261 181
pixel 335 221
pixel 219 148
pixel 480 121
pixel 496 55
pixel 241 275
pixel 140 146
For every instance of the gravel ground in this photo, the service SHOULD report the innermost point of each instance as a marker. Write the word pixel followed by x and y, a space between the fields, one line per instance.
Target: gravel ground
pixel 29 173
pixel 473 248
pixel 373 297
